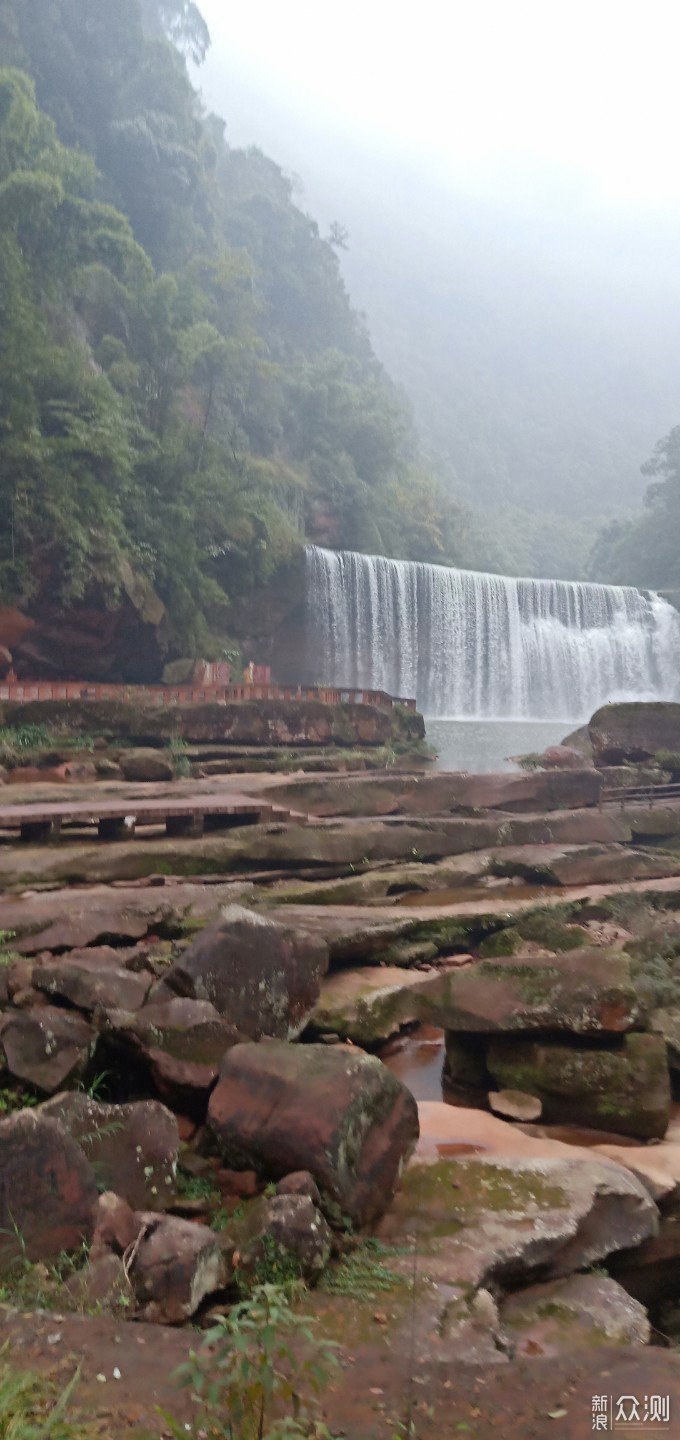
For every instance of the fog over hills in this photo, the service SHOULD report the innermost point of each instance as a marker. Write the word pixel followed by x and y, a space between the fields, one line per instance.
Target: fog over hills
pixel 533 323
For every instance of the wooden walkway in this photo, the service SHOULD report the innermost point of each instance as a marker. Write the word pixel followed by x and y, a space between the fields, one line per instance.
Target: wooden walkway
pixel 117 819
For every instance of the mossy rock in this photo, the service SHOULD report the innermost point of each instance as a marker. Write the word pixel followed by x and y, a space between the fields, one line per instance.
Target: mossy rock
pixel 504 942
pixel 541 927
pixel 623 1088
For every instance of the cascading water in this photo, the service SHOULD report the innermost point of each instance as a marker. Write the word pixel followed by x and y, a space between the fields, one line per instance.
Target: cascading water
pixel 473 645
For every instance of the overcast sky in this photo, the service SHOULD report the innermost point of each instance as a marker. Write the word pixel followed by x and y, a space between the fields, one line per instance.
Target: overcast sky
pixel 489 94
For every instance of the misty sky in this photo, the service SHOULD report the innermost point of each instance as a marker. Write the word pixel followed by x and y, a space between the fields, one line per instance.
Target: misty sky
pixel 508 176
pixel 487 93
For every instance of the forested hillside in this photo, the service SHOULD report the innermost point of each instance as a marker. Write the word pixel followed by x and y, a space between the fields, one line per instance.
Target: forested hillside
pixel 184 386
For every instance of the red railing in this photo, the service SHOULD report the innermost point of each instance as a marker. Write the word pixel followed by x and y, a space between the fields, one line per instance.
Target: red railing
pixel 29 690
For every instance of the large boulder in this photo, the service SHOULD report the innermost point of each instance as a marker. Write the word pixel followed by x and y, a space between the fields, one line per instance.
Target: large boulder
pixel 624 1088
pixel 333 1111
pixel 132 1148
pixel 482 1223
pixel 46 1048
pixel 262 976
pixel 581 992
pixel 48 1191
pixel 635 730
pixel 146 764
pixel 175 1266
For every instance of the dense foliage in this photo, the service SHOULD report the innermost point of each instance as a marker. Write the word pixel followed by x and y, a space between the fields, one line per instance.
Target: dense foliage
pixel 183 382
pixel 646 551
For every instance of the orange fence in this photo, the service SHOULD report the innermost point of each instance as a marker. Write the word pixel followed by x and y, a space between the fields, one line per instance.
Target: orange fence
pixel 29 690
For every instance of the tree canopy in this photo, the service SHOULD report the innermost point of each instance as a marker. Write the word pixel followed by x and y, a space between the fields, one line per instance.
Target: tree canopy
pixel 183 381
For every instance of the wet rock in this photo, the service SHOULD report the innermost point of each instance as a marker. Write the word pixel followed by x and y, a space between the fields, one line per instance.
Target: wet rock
pixel 90 983
pixel 635 730
pixel 657 1166
pixel 515 1105
pixel 180 1044
pixel 515 1218
pixel 371 1004
pixel 581 1310
pixel 146 764
pixel 45 1047
pixel 132 1148
pixel 176 1265
pixel 293 1234
pixel 625 1089
pixel 48 1193
pixel 262 976
pixel 333 1111
pixel 583 992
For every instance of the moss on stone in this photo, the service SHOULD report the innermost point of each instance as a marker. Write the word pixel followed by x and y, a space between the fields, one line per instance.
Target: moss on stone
pixel 503 942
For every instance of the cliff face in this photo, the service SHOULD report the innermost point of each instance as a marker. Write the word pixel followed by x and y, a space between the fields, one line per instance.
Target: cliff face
pixel 126 641
pixel 131 641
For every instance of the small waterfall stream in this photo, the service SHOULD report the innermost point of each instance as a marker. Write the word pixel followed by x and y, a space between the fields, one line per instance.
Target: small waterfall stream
pixel 486 646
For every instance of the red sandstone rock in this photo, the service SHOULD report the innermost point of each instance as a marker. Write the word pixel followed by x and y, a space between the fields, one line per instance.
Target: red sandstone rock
pixel 48 1193
pixel 562 757
pixel 46 1048
pixel 180 1044
pixel 132 1147
pixel 299 1182
pixel 176 1265
pixel 335 1112
pixel 90 984
pixel 115 1226
pixel 262 976
pixel 240 1183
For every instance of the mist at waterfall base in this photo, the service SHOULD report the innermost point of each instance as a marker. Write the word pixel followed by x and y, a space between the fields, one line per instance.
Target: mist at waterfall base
pixel 498 666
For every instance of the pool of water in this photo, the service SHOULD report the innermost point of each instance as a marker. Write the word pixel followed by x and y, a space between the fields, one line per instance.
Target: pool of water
pixel 483 746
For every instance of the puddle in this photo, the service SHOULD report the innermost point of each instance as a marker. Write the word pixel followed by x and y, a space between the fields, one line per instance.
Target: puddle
pixel 487 896
pixel 417 1059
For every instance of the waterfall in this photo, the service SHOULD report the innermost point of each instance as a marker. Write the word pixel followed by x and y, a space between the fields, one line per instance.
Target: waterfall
pixel 473 645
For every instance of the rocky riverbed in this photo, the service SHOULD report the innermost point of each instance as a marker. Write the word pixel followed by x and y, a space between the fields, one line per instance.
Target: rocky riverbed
pixel 211 1078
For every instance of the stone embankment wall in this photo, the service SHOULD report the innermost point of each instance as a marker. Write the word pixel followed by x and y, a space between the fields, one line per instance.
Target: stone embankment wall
pixel 305 718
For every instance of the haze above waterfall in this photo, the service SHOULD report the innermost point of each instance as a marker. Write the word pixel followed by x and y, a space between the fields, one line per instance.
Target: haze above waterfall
pixel 507 182
pixel 472 645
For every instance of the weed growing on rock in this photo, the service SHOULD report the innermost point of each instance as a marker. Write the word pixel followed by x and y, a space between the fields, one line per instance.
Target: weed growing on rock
pixel 276 1266
pixel 361 1275
pixel 14 1098
pixel 259 1374
pixel 197 1187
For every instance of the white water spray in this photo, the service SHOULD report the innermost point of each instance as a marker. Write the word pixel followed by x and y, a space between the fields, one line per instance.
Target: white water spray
pixel 473 645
